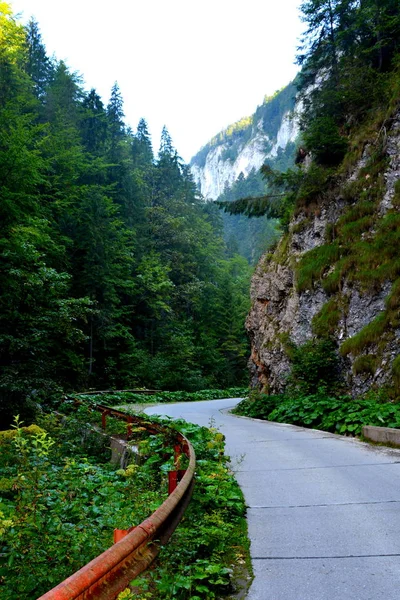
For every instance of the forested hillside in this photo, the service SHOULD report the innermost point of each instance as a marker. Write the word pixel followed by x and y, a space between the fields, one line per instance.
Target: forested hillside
pixel 113 270
pixel 228 167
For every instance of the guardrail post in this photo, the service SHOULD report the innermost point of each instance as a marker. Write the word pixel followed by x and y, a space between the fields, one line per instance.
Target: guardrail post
pixel 174 478
pixel 119 534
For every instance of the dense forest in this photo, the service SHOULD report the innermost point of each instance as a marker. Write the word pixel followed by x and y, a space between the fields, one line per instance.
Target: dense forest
pixel 113 272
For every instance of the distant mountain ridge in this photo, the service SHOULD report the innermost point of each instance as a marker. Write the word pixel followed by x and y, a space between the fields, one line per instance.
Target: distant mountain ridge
pixel 247 144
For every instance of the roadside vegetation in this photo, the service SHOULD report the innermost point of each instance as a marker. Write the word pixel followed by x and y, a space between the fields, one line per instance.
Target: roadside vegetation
pixel 315 396
pixel 160 397
pixel 60 500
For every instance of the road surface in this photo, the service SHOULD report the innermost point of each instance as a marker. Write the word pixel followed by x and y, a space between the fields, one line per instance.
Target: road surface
pixel 323 510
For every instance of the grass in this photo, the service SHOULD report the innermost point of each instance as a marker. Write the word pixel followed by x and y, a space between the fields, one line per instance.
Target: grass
pixel 370 334
pixel 365 364
pixel 325 322
pixel 314 264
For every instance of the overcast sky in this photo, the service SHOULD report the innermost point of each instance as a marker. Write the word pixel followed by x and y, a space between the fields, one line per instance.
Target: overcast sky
pixel 194 66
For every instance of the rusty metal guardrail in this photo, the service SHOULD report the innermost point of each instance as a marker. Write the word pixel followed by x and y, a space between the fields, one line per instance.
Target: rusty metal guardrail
pixel 111 572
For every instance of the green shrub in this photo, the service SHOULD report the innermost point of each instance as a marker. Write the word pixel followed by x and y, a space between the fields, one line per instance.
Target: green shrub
pixel 257 405
pixel 119 398
pixel 322 138
pixel 314 365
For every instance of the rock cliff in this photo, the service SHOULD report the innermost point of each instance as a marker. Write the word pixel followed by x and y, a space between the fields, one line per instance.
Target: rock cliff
pixel 336 273
pixel 246 145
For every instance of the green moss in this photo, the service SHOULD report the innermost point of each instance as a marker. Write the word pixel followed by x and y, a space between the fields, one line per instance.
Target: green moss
pixel 314 264
pixel 365 363
pixel 325 322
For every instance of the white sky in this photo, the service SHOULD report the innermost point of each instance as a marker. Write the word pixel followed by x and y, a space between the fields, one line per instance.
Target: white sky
pixel 195 66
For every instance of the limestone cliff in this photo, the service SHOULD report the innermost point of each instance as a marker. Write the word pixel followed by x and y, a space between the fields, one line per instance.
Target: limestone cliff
pixel 336 273
pixel 247 144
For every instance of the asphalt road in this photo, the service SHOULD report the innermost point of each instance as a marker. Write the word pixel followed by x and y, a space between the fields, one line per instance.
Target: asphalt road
pixel 324 510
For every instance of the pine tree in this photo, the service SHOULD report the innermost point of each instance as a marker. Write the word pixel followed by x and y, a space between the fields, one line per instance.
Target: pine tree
pixel 39 67
pixel 115 119
pixel 94 124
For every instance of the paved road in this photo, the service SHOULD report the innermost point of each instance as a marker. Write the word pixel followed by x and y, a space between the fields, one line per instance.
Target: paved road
pixel 324 511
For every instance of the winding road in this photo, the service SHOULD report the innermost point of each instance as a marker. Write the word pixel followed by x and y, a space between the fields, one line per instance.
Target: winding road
pixel 323 510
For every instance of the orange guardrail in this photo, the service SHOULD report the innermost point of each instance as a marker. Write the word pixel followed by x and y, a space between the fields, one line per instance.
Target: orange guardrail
pixel 111 572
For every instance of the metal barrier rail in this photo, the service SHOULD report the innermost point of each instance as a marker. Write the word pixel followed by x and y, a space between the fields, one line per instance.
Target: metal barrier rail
pixel 111 572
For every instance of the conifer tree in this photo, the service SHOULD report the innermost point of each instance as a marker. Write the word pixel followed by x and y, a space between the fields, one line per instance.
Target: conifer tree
pixel 39 66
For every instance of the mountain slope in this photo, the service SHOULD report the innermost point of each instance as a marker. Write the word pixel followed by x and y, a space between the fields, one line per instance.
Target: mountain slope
pixel 335 274
pixel 245 145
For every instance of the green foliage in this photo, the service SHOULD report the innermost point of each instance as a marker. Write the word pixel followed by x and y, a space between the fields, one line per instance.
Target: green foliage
pixel 314 365
pixel 60 499
pixel 365 363
pixel 325 322
pixel 113 272
pixel 396 371
pixel 323 140
pixel 198 560
pixel 163 397
pixel 257 405
pixel 314 264
pixel 320 411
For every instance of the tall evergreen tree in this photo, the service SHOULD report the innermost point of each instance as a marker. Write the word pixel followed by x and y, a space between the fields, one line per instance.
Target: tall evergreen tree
pixel 94 124
pixel 39 66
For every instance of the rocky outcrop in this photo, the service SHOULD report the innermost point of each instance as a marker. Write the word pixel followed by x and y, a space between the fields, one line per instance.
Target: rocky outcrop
pixel 246 145
pixel 367 326
pixel 212 177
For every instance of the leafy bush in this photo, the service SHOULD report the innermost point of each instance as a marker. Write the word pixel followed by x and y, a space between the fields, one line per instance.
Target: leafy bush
pixel 314 365
pixel 323 140
pixel 339 415
pixel 257 405
pixel 63 509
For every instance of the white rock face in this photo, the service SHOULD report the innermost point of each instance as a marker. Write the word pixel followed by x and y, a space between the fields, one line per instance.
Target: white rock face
pixel 217 172
pixel 288 132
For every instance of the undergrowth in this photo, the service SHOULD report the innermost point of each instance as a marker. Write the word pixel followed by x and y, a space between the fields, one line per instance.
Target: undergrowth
pixel 60 501
pixel 162 397
pixel 342 414
pixel 61 504
pixel 210 544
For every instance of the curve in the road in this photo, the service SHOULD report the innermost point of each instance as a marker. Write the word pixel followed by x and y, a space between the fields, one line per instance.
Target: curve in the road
pixel 323 510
